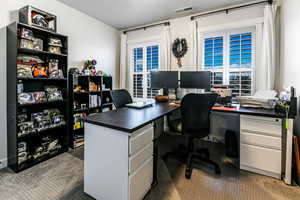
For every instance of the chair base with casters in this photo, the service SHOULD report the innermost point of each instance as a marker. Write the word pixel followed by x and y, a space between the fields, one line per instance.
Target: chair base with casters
pixel 180 152
pixel 189 155
pixel 201 155
pixel 195 124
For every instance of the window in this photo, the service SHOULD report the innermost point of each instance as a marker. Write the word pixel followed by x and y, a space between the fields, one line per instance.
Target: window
pixel 229 56
pixel 214 58
pixel 145 58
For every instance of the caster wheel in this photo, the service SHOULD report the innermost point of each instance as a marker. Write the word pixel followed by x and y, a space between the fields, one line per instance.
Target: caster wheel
pixel 218 170
pixel 187 175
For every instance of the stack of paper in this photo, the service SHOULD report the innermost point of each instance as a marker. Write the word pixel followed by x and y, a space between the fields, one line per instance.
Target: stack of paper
pixel 261 99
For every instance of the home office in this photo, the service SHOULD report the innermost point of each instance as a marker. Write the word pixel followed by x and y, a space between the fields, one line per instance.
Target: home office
pixel 149 100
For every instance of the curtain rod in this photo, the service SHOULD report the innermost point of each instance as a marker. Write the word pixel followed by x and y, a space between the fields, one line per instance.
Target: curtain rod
pixel 232 8
pixel 148 26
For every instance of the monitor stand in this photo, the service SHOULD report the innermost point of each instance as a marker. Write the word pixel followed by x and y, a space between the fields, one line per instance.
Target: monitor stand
pixel 165 91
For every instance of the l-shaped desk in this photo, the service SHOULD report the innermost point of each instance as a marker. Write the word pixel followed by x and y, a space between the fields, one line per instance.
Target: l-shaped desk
pixel 120 160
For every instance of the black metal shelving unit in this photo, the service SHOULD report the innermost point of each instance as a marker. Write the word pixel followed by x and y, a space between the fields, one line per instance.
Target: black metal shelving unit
pixel 83 97
pixel 34 139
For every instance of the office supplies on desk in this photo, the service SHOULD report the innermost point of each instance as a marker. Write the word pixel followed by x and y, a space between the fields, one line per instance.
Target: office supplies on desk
pixel 224 92
pixel 174 104
pixel 287 103
pixel 261 99
pixel 224 108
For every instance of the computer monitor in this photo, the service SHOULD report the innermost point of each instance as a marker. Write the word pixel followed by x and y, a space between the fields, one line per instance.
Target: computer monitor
pixel 197 80
pixel 164 80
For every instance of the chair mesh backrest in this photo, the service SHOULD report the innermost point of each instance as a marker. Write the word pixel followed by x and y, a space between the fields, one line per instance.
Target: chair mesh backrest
pixel 195 111
pixel 120 98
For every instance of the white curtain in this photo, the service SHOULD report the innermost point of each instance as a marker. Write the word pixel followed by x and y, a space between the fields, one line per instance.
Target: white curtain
pixel 123 62
pixel 194 48
pixel 270 46
pixel 166 49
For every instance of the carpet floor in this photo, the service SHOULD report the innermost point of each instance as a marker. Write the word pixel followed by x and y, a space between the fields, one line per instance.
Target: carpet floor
pixel 232 184
pixel 61 178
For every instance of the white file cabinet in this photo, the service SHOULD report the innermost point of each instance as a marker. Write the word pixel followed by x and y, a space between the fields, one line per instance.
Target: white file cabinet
pixel 261 145
pixel 118 165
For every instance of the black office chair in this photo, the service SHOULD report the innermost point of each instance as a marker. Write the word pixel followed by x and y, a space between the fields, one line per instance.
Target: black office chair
pixel 195 124
pixel 120 98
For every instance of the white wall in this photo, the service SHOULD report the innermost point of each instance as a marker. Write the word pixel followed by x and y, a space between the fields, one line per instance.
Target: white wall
pixel 290 48
pixel 88 39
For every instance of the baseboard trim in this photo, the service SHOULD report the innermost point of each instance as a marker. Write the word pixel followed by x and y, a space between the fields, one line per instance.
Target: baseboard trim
pixel 3 163
pixel 260 171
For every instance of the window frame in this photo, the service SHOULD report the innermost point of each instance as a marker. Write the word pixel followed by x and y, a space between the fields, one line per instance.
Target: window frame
pixel 226 53
pixel 131 48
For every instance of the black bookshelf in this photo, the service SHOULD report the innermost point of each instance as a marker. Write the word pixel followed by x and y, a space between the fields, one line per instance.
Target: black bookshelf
pixel 77 98
pixel 35 138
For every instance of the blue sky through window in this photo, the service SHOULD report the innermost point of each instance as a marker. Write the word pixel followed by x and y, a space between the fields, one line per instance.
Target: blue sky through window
pixel 213 52
pixel 241 50
pixel 152 58
pixel 138 59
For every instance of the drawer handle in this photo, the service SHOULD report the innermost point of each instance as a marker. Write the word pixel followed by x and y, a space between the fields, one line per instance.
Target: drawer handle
pixel 261 145
pixel 261 133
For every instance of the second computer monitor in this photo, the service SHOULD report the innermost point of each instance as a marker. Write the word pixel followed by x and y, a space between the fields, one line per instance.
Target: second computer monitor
pixel 164 79
pixel 197 80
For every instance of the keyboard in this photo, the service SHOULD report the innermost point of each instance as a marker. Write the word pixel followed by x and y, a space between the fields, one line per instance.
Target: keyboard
pixel 140 104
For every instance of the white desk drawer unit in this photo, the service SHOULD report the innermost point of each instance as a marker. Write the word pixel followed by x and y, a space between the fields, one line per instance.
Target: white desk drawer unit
pixel 140 162
pixel 260 140
pixel 263 125
pixel 261 145
pixel 261 159
pixel 140 181
pixel 118 165
pixel 140 139
pixel 139 158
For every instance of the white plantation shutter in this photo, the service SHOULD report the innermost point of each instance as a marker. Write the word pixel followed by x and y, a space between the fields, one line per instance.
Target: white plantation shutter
pixel 138 73
pixel 214 58
pixel 229 56
pixel 146 58
pixel 152 65
pixel 240 75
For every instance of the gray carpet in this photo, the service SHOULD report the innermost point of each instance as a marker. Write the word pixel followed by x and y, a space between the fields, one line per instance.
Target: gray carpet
pixel 61 178
pixel 232 184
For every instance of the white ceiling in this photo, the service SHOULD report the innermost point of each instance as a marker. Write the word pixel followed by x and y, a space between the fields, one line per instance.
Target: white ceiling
pixel 129 13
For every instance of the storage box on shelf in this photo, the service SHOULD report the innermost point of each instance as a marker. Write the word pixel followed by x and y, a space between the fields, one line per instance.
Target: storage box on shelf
pixel 88 94
pixel 37 96
pixel 38 18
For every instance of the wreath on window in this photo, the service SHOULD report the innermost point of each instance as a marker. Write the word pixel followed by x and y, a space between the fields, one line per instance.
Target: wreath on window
pixel 179 49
